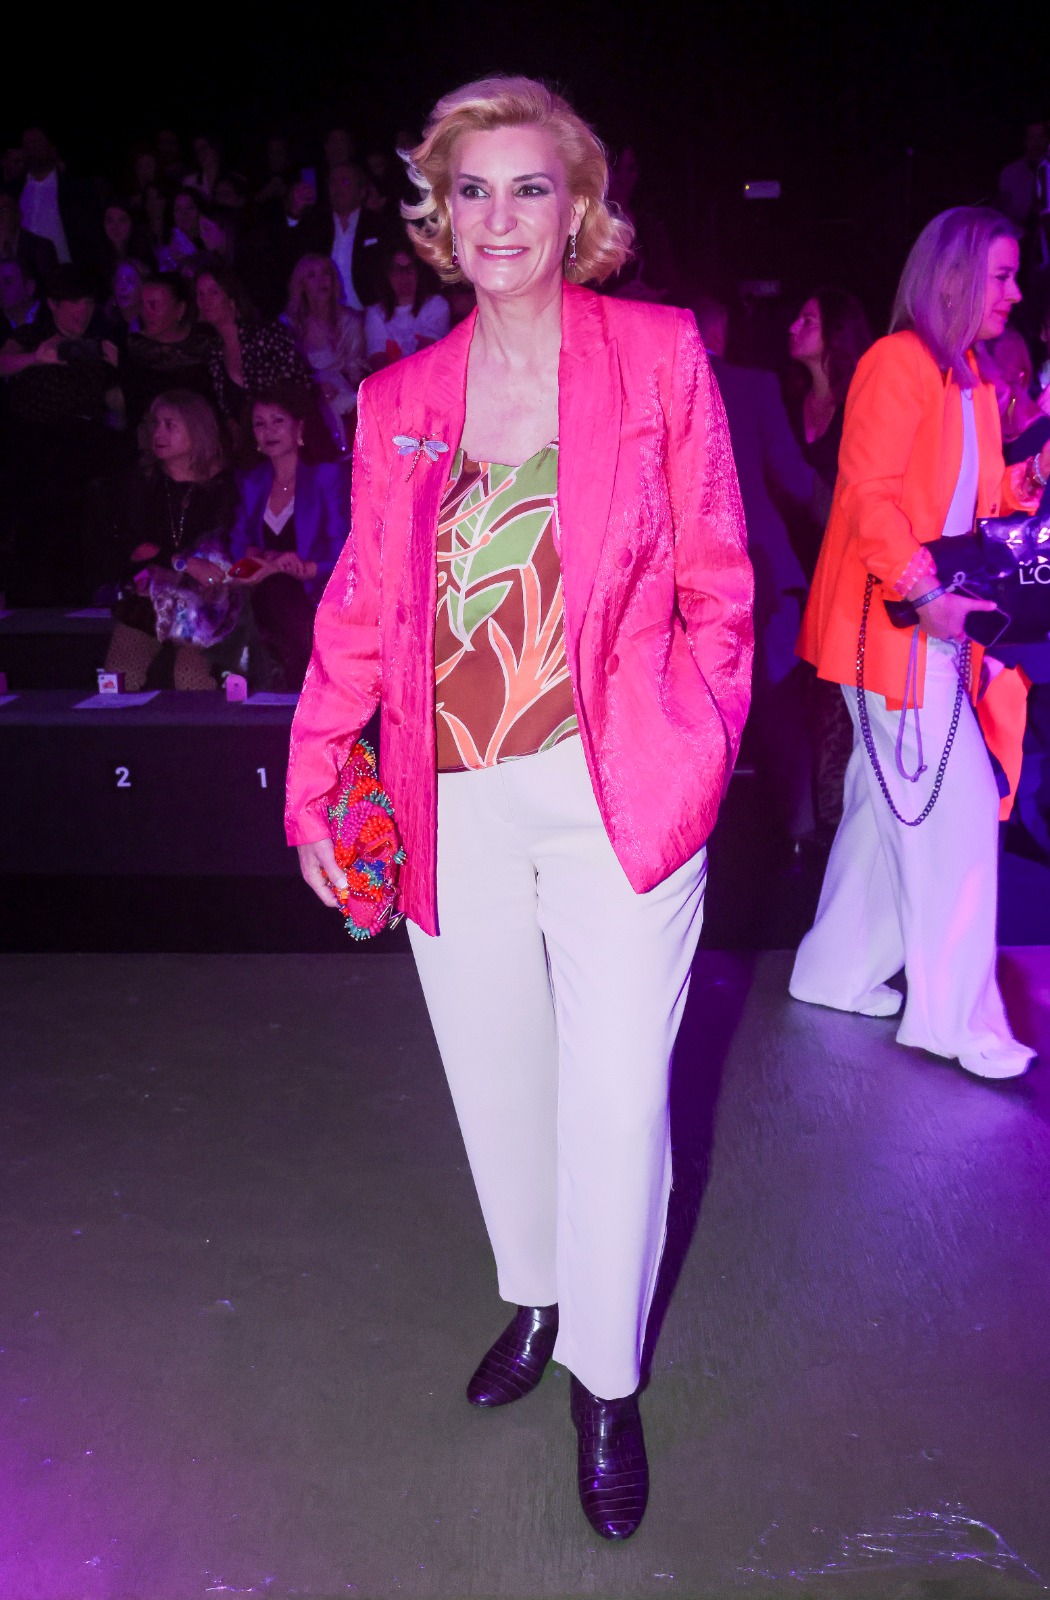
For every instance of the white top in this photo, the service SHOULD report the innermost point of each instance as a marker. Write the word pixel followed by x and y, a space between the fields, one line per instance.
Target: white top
pixel 964 500
pixel 40 213
pixel 343 255
pixel 403 328
pixel 275 520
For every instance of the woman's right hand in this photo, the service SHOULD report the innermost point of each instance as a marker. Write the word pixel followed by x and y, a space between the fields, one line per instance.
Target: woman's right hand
pixel 317 864
pixel 945 617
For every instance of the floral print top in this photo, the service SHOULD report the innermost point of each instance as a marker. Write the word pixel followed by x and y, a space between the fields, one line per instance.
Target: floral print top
pixel 503 687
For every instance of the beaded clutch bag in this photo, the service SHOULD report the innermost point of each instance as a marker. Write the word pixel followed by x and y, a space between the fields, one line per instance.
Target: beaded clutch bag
pixel 367 847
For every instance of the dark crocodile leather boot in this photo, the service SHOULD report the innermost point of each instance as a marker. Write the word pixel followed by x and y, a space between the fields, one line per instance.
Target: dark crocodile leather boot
pixel 613 1470
pixel 514 1365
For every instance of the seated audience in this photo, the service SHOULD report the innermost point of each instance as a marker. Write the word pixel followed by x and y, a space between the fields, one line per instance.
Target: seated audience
pixel 126 237
pixel 123 310
pixel 410 314
pixel 169 351
pixel 63 402
pixel 248 357
pixel 279 171
pixel 58 206
pixel 19 305
pixel 357 228
pixel 172 520
pixel 331 336
pixel 292 521
pixel 208 154
pixel 35 254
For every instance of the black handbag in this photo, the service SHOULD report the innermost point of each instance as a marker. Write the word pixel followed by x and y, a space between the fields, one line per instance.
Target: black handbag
pixel 1005 560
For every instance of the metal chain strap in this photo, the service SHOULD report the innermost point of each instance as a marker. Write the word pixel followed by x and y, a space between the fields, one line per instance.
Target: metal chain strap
pixel 963 669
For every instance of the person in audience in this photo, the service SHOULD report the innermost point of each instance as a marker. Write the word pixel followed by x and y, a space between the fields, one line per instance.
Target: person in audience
pixel 911 879
pixel 36 255
pixel 652 271
pixel 331 337
pixel 1016 191
pixel 208 154
pixel 156 229
pixel 354 232
pixel 126 237
pixel 185 238
pixel 123 310
pixel 292 521
pixel 58 206
pixel 279 172
pixel 247 356
pixel 63 399
pixel 172 522
pixel 774 479
pixel 169 351
pixel 410 314
pixel 142 173
pixel 340 148
pixel 171 168
pixel 19 304
pixel 825 342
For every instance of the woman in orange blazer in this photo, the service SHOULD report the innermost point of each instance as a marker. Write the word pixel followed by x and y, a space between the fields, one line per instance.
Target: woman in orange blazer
pixel 921 455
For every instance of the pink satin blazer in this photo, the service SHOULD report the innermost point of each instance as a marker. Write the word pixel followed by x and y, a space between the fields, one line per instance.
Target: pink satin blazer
pixel 657 587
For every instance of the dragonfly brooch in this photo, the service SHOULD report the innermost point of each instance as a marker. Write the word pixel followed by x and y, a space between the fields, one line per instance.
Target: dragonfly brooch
pixel 407 446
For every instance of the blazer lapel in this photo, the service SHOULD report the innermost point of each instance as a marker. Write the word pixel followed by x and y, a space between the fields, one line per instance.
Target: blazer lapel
pixel 429 403
pixel 590 405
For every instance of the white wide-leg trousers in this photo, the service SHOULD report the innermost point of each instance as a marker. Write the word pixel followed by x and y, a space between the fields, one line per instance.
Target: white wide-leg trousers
pixel 919 898
pixel 555 992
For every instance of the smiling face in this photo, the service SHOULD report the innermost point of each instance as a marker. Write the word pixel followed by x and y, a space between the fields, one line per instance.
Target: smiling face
pixel 511 210
pixel 276 430
pixel 1001 293
pixel 806 334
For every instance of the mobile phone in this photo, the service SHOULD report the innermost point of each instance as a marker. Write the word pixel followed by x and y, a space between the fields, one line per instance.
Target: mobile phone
pixel 308 175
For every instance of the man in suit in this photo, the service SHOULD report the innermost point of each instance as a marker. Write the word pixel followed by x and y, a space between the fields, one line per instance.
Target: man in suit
pixel 773 474
pixel 34 254
pixel 357 228
pixel 61 208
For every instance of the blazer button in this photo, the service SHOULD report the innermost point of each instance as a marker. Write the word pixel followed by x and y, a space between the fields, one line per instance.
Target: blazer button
pixel 612 664
pixel 402 614
pixel 626 556
pixel 395 716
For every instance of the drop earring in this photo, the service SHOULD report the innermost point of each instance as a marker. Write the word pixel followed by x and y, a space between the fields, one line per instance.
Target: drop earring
pixel 572 245
pixel 455 257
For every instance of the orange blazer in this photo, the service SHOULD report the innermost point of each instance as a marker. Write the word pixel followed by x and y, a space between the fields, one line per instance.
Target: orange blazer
pixel 898 465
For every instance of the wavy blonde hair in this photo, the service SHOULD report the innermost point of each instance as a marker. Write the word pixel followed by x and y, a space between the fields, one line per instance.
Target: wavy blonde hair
pixel 941 292
pixel 603 239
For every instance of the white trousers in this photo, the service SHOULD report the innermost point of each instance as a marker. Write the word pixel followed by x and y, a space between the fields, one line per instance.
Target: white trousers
pixel 919 898
pixel 555 992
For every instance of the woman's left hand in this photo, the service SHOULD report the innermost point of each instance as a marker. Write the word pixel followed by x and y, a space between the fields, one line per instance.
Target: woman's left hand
pixel 204 572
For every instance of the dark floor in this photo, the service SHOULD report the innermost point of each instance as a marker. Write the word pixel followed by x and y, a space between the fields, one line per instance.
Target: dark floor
pixel 244 1280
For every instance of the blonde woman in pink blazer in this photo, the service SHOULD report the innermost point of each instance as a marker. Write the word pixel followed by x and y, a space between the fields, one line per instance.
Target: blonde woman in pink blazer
pixel 546 590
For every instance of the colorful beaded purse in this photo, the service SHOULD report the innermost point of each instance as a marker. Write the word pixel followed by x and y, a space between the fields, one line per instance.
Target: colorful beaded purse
pixel 367 847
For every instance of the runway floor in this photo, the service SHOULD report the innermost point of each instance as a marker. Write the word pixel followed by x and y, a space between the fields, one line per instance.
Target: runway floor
pixel 245 1279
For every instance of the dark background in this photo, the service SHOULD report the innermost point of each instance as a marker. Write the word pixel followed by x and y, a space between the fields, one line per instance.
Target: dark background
pixel 871 117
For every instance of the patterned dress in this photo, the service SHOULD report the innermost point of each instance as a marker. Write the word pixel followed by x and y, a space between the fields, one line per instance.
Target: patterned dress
pixel 503 687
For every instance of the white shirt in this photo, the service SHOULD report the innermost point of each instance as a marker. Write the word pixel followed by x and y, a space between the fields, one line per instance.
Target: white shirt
pixel 964 500
pixel 343 255
pixel 406 329
pixel 40 213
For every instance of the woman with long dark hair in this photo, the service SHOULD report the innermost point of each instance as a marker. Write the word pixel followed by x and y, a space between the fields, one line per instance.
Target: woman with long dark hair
pixel 911 879
pixel 410 313
pixel 825 342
